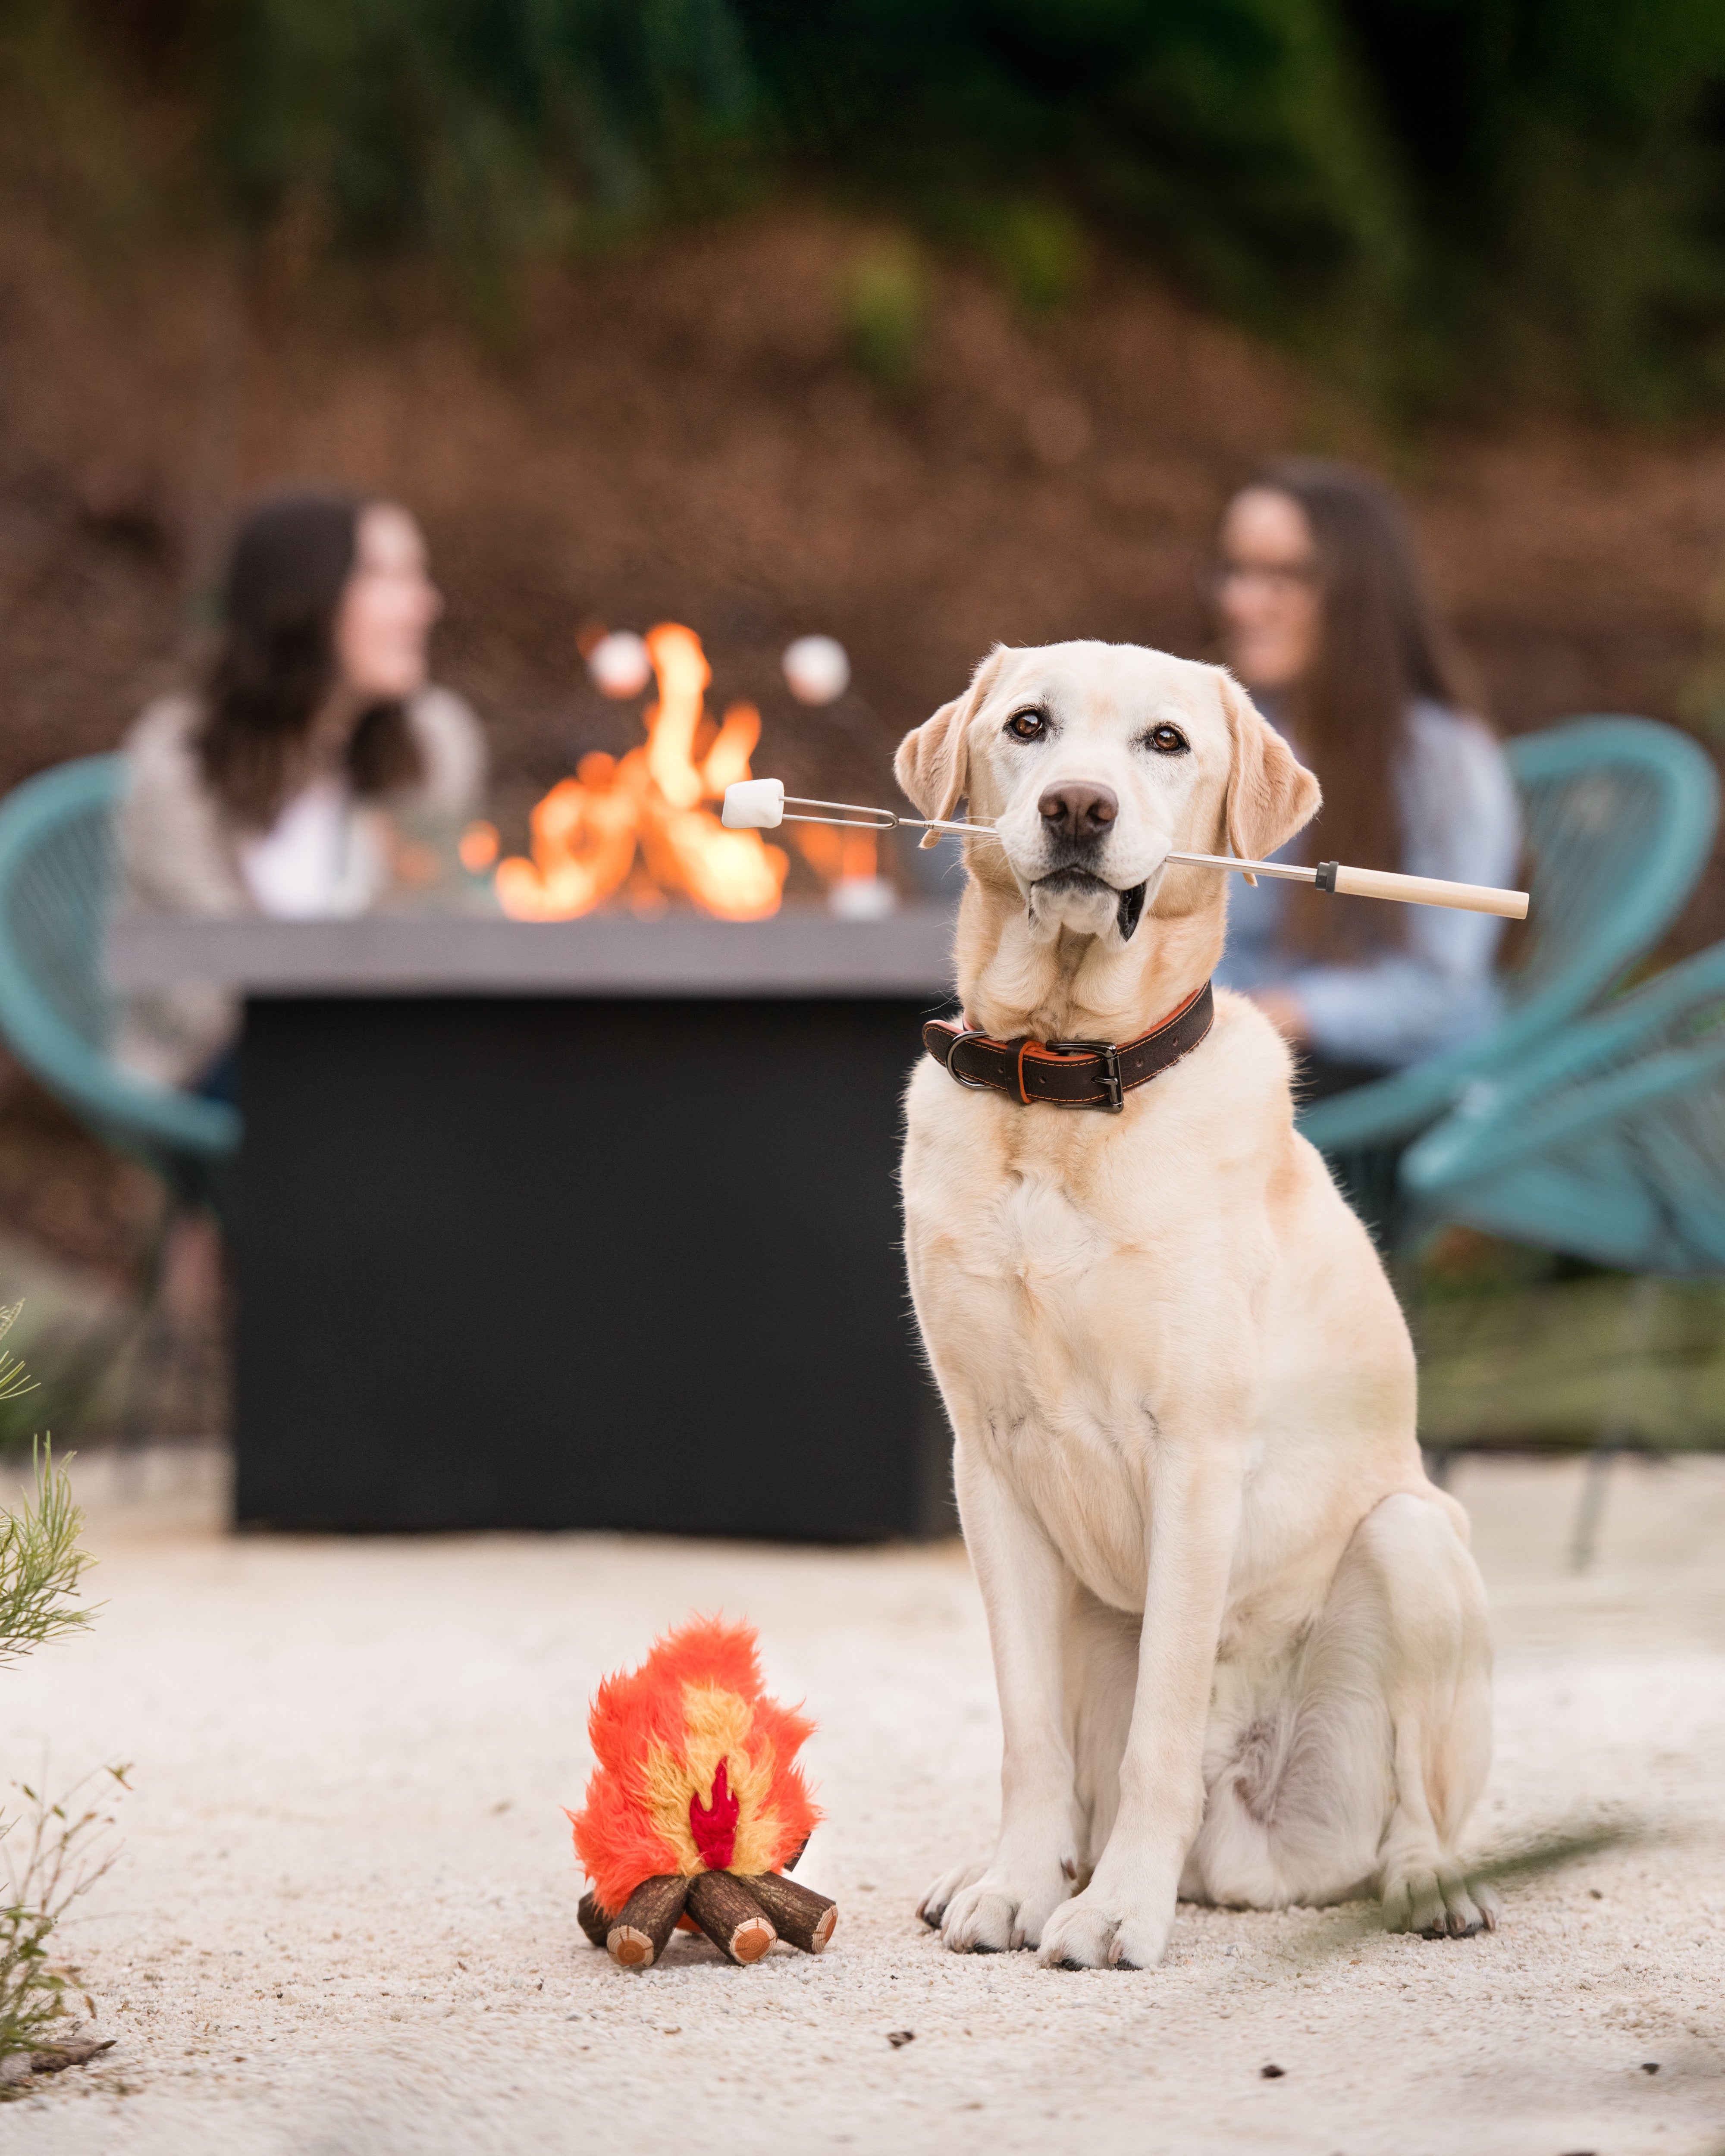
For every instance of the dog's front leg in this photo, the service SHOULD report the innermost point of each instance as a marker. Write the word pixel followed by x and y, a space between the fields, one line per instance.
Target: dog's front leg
pixel 1125 1914
pixel 1026 1591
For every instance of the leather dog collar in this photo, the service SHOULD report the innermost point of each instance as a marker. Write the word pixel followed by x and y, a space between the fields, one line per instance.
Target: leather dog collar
pixel 1069 1074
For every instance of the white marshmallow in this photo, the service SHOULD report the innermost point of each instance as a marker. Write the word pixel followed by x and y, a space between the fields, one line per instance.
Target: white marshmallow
pixel 754 805
pixel 817 668
pixel 619 664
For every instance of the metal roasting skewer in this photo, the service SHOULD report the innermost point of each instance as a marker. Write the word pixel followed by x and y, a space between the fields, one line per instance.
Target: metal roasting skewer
pixel 873 819
pixel 762 804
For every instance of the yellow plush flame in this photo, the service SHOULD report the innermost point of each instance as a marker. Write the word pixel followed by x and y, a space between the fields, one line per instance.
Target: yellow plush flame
pixel 717 1725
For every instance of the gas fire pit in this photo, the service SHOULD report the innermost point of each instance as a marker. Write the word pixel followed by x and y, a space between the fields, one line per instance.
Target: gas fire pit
pixel 589 1224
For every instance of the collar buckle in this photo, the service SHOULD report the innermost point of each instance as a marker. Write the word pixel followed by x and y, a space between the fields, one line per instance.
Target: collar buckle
pixel 971 1085
pixel 1108 1053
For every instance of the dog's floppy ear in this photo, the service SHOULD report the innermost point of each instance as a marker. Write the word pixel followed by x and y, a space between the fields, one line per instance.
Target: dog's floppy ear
pixel 933 762
pixel 1270 793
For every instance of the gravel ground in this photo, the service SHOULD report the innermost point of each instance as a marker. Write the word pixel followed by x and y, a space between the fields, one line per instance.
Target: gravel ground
pixel 343 1919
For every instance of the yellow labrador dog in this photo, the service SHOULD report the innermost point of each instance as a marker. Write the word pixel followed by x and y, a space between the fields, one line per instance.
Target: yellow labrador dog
pixel 1240 1645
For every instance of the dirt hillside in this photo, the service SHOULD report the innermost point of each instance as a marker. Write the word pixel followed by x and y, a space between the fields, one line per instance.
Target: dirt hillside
pixel 678 432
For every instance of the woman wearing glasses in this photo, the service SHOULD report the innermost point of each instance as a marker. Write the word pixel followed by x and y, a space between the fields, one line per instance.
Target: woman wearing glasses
pixel 1326 620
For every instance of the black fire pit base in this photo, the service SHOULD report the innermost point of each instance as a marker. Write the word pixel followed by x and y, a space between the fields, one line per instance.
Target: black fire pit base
pixel 569 1262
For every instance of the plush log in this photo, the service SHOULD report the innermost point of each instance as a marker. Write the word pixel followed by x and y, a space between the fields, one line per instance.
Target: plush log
pixel 594 1920
pixel 730 1916
pixel 641 1927
pixel 807 1919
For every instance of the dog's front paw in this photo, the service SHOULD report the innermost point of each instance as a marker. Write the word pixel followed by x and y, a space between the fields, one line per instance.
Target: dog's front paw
pixel 1099 1929
pixel 932 1907
pixel 996 1914
pixel 1439 1904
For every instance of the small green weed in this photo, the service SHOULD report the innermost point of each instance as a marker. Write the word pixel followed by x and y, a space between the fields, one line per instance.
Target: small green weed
pixel 55 1851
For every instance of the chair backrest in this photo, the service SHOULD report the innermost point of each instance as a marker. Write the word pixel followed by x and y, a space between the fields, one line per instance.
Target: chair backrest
pixel 1608 1143
pixel 1618 816
pixel 57 865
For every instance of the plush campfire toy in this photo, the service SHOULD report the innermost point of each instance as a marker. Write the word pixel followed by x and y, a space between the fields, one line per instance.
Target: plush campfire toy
pixel 697 1808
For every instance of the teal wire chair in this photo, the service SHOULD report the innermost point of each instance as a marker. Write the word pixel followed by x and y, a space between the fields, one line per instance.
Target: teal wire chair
pixel 1618 818
pixel 57 1011
pixel 1607 1143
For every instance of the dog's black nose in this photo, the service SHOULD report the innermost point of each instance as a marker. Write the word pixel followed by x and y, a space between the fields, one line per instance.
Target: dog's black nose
pixel 1079 811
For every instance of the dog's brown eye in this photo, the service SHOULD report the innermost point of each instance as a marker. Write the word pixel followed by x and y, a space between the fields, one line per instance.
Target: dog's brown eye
pixel 1028 725
pixel 1167 740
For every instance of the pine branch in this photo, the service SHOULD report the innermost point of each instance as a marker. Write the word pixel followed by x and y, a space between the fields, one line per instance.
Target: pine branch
pixel 41 1563
pixel 15 1380
pixel 62 1850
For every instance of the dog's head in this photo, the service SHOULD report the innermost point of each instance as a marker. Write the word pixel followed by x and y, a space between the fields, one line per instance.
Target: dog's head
pixel 1094 762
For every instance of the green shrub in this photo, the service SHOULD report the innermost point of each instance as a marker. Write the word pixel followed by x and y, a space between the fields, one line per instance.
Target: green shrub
pixel 471 126
pixel 1480 199
pixel 1038 251
pixel 886 314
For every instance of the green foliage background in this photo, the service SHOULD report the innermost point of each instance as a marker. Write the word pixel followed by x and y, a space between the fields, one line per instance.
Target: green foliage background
pixel 1438 199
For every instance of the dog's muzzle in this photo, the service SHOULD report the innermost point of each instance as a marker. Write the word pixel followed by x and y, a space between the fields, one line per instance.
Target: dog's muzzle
pixel 1073 876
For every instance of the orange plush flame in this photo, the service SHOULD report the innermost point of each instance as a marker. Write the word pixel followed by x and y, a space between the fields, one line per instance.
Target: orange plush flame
pixel 697 1766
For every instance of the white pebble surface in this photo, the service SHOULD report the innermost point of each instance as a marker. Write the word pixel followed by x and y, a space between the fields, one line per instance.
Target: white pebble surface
pixel 343 1921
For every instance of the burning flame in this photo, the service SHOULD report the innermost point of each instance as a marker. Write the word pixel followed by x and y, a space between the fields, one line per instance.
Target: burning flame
pixel 837 855
pixel 588 830
pixel 697 1767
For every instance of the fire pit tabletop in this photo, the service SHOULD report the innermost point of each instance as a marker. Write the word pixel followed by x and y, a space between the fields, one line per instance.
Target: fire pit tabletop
pixel 796 953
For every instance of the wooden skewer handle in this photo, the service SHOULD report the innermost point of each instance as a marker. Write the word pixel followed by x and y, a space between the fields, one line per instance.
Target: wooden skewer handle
pixel 1431 890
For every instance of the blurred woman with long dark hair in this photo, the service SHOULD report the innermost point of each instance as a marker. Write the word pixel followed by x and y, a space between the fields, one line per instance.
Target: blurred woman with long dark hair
pixel 277 790
pixel 1326 620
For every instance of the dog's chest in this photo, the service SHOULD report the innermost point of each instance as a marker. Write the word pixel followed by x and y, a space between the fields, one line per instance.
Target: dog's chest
pixel 1046 1298
pixel 1058 1239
